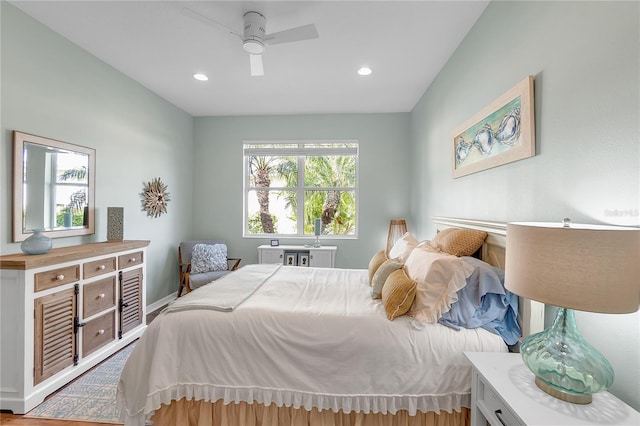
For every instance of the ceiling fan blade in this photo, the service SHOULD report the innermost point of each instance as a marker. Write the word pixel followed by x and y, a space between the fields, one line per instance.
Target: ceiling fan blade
pixel 305 32
pixel 256 65
pixel 208 21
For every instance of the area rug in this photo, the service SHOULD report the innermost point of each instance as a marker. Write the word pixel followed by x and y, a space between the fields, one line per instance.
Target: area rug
pixel 91 397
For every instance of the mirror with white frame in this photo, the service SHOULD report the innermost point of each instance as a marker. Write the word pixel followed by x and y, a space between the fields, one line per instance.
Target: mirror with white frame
pixel 53 187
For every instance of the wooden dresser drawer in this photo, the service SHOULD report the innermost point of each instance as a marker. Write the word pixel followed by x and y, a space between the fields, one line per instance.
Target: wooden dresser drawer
pixel 98 296
pixel 56 277
pixel 98 332
pixel 99 267
pixel 130 259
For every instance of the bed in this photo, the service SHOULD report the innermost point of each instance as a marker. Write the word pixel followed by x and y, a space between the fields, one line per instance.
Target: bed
pixel 278 345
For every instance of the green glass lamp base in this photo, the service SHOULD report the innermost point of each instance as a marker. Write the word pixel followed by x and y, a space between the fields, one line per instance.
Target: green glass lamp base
pixel 564 364
pixel 569 397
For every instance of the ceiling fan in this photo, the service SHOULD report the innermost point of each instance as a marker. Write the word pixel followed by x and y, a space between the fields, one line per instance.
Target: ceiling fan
pixel 254 37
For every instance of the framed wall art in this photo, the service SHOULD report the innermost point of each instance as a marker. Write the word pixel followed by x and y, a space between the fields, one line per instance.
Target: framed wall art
pixel 502 132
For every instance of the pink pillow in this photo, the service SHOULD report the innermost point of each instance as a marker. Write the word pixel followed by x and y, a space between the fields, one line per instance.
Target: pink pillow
pixel 403 247
pixel 439 277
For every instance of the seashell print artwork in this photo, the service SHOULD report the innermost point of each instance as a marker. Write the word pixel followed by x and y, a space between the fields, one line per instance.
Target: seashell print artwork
pixel 501 133
pixel 486 140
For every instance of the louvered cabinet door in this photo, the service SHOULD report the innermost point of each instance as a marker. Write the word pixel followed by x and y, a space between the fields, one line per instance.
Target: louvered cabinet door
pixel 55 346
pixel 130 300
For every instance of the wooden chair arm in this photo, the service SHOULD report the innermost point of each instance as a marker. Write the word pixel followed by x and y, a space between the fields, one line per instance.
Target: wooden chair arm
pixel 235 265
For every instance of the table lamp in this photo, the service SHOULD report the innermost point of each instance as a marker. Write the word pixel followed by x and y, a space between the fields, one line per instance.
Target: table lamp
pixel 590 268
pixel 397 228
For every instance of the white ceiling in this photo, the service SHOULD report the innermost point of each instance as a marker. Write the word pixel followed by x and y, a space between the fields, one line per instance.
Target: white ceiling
pixel 405 42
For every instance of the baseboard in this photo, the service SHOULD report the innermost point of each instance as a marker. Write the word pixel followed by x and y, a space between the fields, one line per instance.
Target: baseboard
pixel 162 302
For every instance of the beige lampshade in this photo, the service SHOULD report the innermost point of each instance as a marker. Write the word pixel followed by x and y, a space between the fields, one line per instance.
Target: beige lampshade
pixel 584 267
pixel 397 228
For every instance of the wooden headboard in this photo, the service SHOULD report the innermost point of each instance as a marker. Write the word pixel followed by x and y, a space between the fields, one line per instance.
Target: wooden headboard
pixel 531 313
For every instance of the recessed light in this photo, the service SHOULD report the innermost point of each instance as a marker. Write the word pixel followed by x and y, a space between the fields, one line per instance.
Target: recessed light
pixel 364 71
pixel 200 77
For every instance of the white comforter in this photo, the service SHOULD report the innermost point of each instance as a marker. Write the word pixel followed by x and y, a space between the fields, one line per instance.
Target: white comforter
pixel 306 337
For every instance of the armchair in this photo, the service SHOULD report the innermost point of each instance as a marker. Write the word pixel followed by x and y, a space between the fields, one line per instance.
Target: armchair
pixel 204 271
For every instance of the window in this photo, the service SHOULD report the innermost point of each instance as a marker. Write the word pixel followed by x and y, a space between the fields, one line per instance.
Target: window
pixel 288 184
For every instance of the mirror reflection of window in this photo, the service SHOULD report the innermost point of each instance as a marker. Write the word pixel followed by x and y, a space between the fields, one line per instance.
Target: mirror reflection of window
pixel 56 187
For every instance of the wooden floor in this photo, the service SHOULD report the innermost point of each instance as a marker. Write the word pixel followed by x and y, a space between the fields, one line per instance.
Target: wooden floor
pixel 19 420
pixel 15 420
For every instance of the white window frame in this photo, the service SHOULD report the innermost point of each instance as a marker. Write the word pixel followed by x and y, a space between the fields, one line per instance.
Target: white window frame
pixel 300 153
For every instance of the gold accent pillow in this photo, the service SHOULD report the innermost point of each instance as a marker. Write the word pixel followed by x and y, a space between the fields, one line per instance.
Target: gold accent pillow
pixel 458 242
pixel 398 293
pixel 375 262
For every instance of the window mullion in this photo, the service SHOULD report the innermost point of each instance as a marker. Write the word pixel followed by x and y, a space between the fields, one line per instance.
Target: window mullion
pixel 300 196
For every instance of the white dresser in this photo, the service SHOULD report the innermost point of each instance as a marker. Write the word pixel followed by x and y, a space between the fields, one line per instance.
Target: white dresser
pixel 503 392
pixel 64 312
pixel 293 255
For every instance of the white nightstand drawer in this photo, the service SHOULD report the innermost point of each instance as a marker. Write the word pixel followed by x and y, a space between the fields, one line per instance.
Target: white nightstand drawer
pixel 494 410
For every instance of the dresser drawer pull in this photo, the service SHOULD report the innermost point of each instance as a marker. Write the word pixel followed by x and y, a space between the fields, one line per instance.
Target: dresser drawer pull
pixel 60 277
pixel 102 267
pixel 133 259
pixel 499 417
pixel 100 331
pixel 101 296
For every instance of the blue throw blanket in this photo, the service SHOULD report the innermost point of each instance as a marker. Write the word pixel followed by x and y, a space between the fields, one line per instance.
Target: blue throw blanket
pixel 484 302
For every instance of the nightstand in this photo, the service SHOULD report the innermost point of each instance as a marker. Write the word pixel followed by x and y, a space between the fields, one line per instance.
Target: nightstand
pixel 503 392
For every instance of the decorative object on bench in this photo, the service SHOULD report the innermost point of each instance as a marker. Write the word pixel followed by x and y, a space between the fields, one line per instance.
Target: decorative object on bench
pixel 591 268
pixel 203 261
pixel 154 197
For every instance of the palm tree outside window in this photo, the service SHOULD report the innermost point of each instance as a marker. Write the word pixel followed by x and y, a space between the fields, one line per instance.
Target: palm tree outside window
pixel 288 184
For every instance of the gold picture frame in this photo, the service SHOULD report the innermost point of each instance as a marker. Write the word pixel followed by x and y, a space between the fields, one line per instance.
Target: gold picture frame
pixel 502 132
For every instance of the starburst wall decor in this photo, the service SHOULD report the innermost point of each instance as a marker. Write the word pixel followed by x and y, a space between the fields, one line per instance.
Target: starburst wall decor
pixel 154 197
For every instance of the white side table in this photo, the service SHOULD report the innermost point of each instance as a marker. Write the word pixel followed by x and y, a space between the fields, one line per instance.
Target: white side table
pixel 319 257
pixel 503 392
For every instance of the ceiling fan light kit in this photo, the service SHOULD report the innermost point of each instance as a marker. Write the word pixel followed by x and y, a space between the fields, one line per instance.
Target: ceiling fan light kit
pixel 254 33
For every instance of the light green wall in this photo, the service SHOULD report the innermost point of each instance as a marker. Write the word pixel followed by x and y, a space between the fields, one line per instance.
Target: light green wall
pixel 51 87
pixel 383 176
pixel 585 60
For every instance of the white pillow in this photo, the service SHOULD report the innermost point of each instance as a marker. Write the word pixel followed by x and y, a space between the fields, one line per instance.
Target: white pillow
pixel 439 277
pixel 403 247
pixel 205 258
